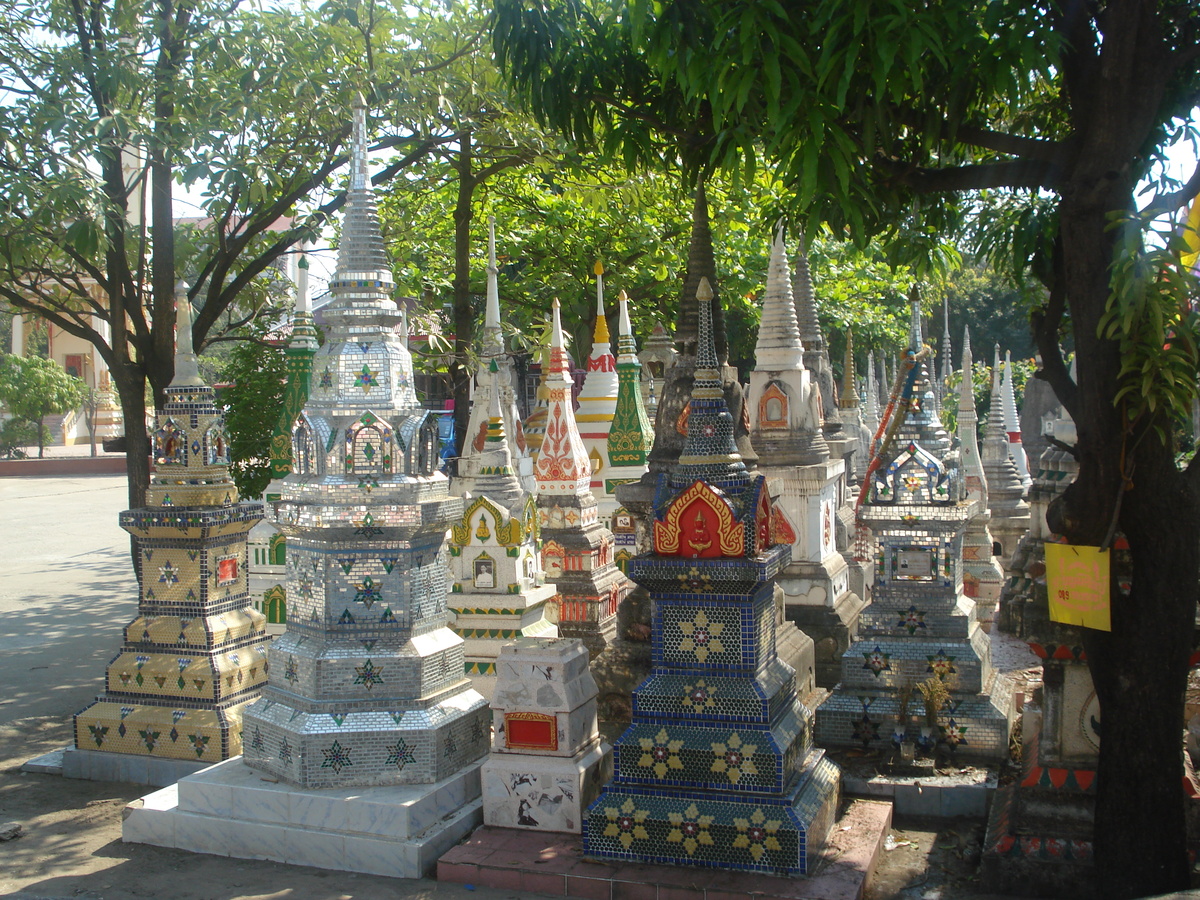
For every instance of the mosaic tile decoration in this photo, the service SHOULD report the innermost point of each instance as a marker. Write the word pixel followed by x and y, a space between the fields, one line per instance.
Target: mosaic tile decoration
pixel 367 684
pixel 921 623
pixel 195 656
pixel 717 768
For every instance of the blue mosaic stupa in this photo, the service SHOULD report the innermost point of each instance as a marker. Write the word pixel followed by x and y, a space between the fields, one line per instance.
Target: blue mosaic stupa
pixel 717 769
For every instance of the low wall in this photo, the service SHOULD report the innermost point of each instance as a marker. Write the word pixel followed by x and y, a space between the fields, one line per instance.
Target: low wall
pixel 103 464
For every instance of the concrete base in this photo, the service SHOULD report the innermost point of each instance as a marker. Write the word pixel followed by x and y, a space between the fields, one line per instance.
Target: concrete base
pixel 545 793
pixel 937 796
pixel 97 765
pixel 533 862
pixel 232 810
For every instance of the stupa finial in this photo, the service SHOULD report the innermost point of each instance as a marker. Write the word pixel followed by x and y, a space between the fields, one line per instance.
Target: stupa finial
pixel 806 301
pixel 601 335
pixel 493 340
pixel 915 333
pixel 966 390
pixel 779 347
pixel 849 398
pixel 187 366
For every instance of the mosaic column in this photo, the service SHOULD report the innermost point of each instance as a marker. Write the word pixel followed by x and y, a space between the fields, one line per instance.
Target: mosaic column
pixel 367 685
pixel 717 769
pixel 195 656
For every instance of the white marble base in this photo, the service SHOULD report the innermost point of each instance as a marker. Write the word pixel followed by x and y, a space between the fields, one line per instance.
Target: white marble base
pixel 232 810
pixel 543 793
pixel 99 765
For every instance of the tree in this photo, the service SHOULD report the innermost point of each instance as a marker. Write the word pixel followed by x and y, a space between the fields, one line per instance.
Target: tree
pixel 254 375
pixel 33 388
pixel 1037 121
pixel 115 103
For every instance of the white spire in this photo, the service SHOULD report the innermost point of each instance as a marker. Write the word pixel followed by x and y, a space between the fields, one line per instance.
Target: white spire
pixel 779 347
pixel 187 366
pixel 1012 424
pixel 303 297
pixel 493 341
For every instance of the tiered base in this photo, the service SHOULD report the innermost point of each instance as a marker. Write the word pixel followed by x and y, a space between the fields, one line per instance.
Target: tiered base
pixel 977 725
pixel 777 834
pixel 196 734
pixel 231 810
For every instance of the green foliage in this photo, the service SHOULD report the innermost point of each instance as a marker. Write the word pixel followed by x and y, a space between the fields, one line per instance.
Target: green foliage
pixel 33 388
pixel 1150 315
pixel 16 434
pixel 255 374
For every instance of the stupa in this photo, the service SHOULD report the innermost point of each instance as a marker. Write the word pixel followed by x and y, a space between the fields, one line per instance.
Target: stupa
pixel 498 589
pixel 494 380
pixel 1006 494
pixel 267 545
pixel 785 427
pixel 1012 424
pixel 597 406
pixel 195 656
pixel 656 356
pixel 983 578
pixel 630 436
pixel 534 425
pixel 577 550
pixel 367 684
pixel 850 409
pixel 816 358
pixel 920 626
pixel 717 769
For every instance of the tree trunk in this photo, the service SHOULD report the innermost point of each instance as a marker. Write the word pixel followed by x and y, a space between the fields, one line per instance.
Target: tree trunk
pixel 1128 480
pixel 41 439
pixel 463 309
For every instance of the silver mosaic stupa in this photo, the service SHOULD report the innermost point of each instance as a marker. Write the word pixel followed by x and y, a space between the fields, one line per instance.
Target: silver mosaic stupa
pixel 366 686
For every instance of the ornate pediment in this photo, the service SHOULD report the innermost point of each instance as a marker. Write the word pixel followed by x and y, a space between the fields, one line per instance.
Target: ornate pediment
pixel 699 523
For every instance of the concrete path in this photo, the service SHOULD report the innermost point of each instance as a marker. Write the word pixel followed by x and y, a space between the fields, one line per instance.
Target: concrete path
pixel 67 589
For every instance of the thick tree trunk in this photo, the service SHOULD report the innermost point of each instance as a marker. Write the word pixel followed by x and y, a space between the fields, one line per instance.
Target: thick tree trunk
pixel 1128 484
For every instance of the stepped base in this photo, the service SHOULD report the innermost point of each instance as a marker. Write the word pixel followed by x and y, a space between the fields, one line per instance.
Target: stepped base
pixel 206 734
pixel 96 765
pixel 231 810
pixel 776 834
pixel 533 862
pixel 978 726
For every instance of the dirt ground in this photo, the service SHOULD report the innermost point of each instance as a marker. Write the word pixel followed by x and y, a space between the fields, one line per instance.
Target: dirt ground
pixel 71 848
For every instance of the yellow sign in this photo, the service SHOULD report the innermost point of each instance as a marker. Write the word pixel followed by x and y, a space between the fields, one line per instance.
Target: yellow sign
pixel 1077 580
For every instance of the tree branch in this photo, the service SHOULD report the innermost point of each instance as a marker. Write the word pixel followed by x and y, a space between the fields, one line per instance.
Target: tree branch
pixel 1018 173
pixel 1045 324
pixel 1166 203
pixel 1017 145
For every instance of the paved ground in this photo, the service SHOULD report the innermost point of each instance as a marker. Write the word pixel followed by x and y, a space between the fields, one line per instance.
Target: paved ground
pixel 66 591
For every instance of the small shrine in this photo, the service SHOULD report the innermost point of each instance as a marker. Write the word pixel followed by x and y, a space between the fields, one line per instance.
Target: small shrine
pixel 495 376
pixel 367 685
pixel 807 483
pixel 920 637
pixel 597 408
pixel 1006 493
pixel 547 763
pixel 717 769
pixel 195 656
pixel 578 552
pixel 497 586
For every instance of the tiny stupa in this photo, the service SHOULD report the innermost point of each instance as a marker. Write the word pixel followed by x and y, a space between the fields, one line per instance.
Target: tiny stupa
pixel 547 762
pixel 1012 424
pixel 1006 493
pixel 920 626
pixel 367 685
pixel 630 437
pixel 597 407
pixel 785 428
pixel 946 363
pixel 498 589
pixel 195 656
pixel 657 355
pixel 268 546
pixel 983 578
pixel 717 769
pixel 578 553
pixel 495 379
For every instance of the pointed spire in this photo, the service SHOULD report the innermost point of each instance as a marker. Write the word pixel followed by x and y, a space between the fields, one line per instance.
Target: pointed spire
pixel 563 467
pixel 709 450
pixel 779 347
pixel 849 398
pixel 966 388
pixel 601 335
pixel 631 434
pixel 304 332
pixel 1012 424
pixel 187 366
pixel 947 348
pixel 303 297
pixel 916 337
pixel 871 405
pixel 806 302
pixel 975 479
pixel 497 478
pixel 493 340
pixel 626 348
